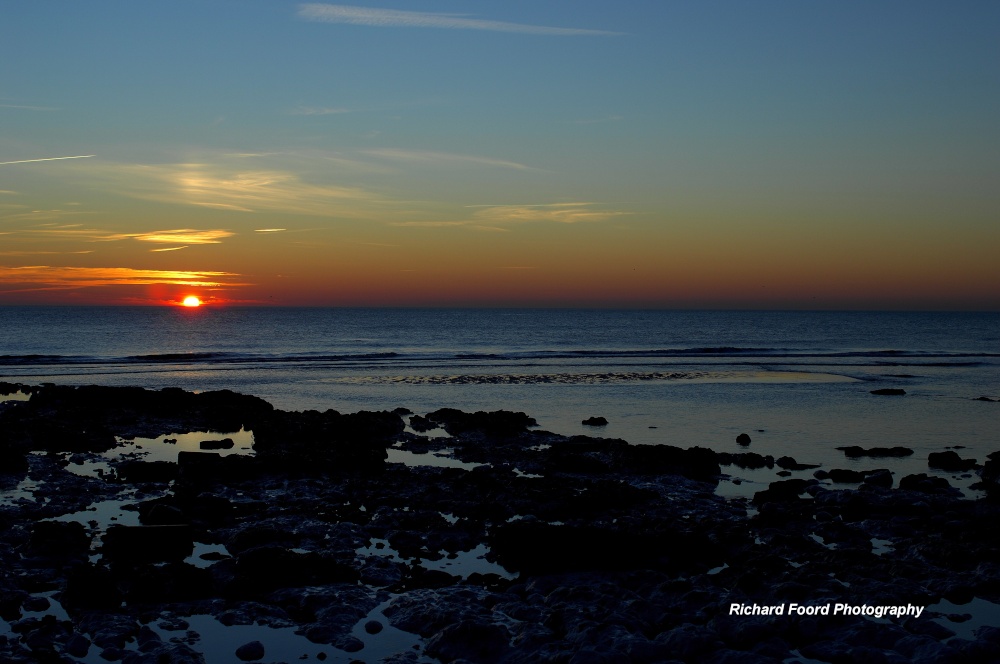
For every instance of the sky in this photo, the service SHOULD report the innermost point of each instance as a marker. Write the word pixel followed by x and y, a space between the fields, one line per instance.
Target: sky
pixel 657 153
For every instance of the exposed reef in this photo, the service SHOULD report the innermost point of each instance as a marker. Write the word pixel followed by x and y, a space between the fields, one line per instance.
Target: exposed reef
pixel 583 549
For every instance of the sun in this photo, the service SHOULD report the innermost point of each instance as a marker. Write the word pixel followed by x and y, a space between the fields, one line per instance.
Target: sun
pixel 191 301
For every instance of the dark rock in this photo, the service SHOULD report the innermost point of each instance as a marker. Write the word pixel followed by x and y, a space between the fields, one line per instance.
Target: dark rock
pixel 690 642
pixel 224 444
pixel 317 441
pixel 266 568
pixel 782 491
pixel 697 463
pixel 788 463
pixel 161 513
pixel 148 543
pixel 595 422
pixel 889 391
pixel 250 652
pixel 925 483
pixel 949 461
pixel 348 643
pixel 881 477
pixel 59 540
pixel 500 422
pixel 36 603
pixel 750 460
pixel 111 654
pixel 149 583
pixel 422 424
pixel 198 466
pixel 743 439
pixel 142 472
pixel 78 646
pixel 471 641
pixel 373 627
pixel 538 548
pixel 845 476
pixel 91 587
pixel 854 451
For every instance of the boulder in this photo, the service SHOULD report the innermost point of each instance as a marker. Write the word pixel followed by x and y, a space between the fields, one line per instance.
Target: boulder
pixel 250 652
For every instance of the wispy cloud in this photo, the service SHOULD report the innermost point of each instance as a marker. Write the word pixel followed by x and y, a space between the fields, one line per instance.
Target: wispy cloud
pixel 502 217
pixel 449 224
pixel 563 213
pixel 223 187
pixel 42 253
pixel 319 110
pixel 610 118
pixel 188 235
pixel 22 107
pixel 169 249
pixel 394 18
pixel 31 161
pixel 172 236
pixel 43 215
pixel 429 157
pixel 45 277
pixel 269 230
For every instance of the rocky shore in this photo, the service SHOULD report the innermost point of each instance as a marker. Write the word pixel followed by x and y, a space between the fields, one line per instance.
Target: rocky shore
pixel 534 547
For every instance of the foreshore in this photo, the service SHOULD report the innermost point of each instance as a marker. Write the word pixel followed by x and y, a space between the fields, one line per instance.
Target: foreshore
pixel 593 550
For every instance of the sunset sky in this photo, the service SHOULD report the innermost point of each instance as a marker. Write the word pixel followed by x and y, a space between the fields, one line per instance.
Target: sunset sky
pixel 726 154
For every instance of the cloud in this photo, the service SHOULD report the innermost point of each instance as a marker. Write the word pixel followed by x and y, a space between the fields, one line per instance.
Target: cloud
pixel 425 156
pixel 502 217
pixel 317 110
pixel 393 18
pixel 610 118
pixel 188 235
pixel 169 249
pixel 429 224
pixel 40 253
pixel 31 161
pixel 45 277
pixel 269 230
pixel 43 215
pixel 173 236
pixel 225 188
pixel 563 213
pixel 29 108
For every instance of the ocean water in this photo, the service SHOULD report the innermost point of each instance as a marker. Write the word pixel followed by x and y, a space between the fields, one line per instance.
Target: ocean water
pixel 798 382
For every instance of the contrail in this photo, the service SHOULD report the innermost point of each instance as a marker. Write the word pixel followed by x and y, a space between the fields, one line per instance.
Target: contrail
pixel 28 161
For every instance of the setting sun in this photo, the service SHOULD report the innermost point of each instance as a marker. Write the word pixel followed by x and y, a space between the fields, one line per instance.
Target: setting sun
pixel 192 301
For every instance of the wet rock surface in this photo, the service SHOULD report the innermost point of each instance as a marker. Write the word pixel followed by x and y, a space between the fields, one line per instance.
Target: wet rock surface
pixel 583 549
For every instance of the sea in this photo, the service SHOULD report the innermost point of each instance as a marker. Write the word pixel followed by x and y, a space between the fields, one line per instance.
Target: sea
pixel 799 383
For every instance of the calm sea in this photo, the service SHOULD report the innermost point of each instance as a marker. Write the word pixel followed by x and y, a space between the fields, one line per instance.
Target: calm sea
pixel 798 382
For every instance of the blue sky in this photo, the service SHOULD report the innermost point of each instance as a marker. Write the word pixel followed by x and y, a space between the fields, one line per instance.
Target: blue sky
pixel 815 145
